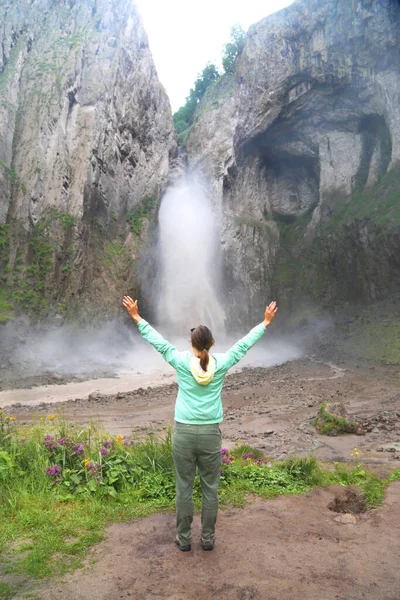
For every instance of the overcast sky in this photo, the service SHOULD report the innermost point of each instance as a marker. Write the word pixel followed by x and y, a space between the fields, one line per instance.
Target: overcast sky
pixel 184 35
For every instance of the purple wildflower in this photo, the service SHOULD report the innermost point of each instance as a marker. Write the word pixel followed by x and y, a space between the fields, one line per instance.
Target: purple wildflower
pixel 104 452
pixel 222 474
pixel 259 459
pixel 224 451
pixel 78 448
pixel 53 471
pixel 108 443
pixel 247 455
pixel 49 442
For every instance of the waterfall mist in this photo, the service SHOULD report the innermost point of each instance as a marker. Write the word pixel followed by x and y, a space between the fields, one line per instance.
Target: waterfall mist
pixel 189 260
pixel 189 294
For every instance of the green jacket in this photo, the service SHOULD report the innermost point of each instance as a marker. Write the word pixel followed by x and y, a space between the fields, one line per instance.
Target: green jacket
pixel 199 404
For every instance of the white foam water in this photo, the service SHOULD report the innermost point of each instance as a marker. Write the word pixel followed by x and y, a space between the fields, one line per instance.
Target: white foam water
pixel 190 266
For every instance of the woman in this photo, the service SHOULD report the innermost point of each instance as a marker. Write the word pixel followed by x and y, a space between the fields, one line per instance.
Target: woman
pixel 198 412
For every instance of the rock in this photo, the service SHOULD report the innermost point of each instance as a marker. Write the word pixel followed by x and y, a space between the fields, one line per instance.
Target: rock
pixel 337 409
pixel 347 519
pixel 97 397
pixel 361 431
pixel 285 138
pixel 89 151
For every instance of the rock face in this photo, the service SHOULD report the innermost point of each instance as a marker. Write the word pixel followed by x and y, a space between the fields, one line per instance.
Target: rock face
pixel 86 136
pixel 302 149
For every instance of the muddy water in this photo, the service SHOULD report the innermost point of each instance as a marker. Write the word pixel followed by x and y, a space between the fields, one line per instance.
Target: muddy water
pixel 62 393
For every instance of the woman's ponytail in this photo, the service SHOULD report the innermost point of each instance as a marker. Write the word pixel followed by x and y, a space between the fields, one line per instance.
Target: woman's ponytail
pixel 204 359
pixel 202 340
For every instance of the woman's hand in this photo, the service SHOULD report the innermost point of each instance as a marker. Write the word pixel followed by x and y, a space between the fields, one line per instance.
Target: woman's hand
pixel 270 313
pixel 132 308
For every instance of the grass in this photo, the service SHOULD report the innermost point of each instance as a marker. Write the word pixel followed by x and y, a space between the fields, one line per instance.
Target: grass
pixel 7 591
pixel 49 520
pixel 375 335
pixel 328 424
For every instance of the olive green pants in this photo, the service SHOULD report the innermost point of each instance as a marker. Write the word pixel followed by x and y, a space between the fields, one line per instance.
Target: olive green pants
pixel 196 445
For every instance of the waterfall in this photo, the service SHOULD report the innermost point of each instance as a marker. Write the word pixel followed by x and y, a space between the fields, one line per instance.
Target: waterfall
pixel 189 260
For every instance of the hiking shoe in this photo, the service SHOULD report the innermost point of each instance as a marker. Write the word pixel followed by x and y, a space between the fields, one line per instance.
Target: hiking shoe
pixel 207 545
pixel 183 547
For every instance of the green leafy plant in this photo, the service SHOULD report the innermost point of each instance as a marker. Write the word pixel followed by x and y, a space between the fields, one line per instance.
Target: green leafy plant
pixel 6 465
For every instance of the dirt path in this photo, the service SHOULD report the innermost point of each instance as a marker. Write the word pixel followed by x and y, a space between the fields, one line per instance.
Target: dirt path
pixel 287 548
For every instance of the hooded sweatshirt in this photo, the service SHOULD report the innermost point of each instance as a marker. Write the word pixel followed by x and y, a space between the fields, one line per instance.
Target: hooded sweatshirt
pixel 199 392
pixel 202 377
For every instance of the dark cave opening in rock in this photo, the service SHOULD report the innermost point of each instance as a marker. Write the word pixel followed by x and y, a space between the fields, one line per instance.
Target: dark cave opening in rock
pixel 291 168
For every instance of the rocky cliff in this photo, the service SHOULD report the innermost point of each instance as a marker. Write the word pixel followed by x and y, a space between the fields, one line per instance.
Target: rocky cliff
pixel 302 149
pixel 86 136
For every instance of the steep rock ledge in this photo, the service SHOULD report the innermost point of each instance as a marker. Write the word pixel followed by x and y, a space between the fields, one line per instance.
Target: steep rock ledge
pixel 86 136
pixel 301 148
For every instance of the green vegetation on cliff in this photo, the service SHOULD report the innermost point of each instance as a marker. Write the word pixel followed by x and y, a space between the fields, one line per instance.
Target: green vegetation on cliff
pixel 375 333
pixel 184 116
pixel 144 210
pixel 337 261
pixel 29 281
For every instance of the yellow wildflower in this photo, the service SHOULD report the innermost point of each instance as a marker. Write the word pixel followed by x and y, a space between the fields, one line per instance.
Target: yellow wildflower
pixel 51 417
pixel 68 471
pixel 119 438
pixel 12 418
pixel 86 462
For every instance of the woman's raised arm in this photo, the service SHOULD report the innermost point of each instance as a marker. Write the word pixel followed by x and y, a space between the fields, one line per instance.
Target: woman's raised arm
pixel 238 350
pixel 169 353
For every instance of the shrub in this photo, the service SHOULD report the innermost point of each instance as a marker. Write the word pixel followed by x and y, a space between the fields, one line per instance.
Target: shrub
pixel 183 118
pixel 233 49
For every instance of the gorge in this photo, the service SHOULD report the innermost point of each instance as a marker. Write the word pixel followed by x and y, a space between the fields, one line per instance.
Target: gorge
pixel 299 149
